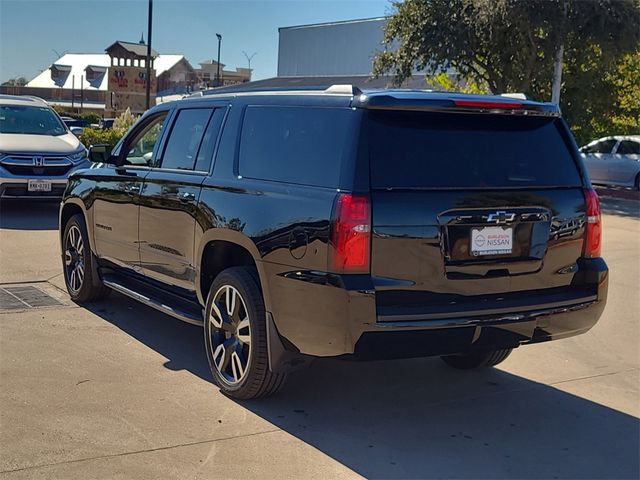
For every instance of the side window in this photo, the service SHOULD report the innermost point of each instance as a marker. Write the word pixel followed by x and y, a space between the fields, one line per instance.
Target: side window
pixel 205 154
pixel 628 147
pixel 300 145
pixel 185 137
pixel 605 146
pixel 142 146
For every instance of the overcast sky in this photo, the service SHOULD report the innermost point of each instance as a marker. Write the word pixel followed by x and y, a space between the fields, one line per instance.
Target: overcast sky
pixel 33 33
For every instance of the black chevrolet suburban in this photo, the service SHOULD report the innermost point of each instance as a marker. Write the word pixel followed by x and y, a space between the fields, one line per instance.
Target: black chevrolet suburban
pixel 341 223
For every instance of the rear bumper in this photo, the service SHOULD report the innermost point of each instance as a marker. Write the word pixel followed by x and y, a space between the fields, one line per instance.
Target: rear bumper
pixel 327 315
pixel 468 334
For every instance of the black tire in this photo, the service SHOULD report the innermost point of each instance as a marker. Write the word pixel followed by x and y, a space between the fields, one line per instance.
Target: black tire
pixel 78 274
pixel 477 360
pixel 638 182
pixel 239 367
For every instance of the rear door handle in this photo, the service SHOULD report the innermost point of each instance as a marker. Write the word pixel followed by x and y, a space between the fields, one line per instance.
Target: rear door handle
pixel 186 196
pixel 132 188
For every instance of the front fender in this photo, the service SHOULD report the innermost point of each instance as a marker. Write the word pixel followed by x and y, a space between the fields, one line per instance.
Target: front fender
pixel 88 218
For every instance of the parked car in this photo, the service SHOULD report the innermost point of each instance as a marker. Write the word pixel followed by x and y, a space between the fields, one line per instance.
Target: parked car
pixel 337 223
pixel 106 123
pixel 37 150
pixel 75 122
pixel 614 160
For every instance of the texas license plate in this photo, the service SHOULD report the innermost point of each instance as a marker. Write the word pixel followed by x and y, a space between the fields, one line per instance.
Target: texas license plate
pixel 491 241
pixel 39 186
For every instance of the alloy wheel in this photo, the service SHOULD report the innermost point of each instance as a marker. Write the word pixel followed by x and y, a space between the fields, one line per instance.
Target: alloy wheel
pixel 74 259
pixel 230 335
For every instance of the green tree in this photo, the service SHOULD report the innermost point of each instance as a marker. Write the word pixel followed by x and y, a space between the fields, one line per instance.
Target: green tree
pixel 15 82
pixel 599 102
pixel 509 45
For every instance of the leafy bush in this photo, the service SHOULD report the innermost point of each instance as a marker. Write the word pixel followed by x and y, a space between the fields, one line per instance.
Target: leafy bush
pixel 99 136
pixel 62 111
pixel 109 136
pixel 89 117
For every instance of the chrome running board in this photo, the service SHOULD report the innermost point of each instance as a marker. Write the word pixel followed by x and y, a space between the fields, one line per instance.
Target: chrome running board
pixel 180 314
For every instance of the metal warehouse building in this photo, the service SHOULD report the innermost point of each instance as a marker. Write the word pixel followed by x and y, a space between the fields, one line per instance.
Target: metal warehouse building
pixel 339 48
pixel 326 54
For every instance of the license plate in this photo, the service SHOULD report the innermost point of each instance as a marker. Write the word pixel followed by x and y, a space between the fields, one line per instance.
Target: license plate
pixel 39 186
pixel 491 241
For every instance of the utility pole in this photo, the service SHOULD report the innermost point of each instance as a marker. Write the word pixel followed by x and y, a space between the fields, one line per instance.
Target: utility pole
pixel 559 58
pixel 58 54
pixel 249 57
pixel 148 79
pixel 218 69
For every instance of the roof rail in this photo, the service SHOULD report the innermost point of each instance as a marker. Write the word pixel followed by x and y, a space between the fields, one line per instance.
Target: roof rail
pixel 31 98
pixel 35 99
pixel 233 89
pixel 332 89
pixel 343 90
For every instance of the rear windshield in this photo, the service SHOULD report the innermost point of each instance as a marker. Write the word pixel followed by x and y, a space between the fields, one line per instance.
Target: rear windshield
pixel 30 120
pixel 443 150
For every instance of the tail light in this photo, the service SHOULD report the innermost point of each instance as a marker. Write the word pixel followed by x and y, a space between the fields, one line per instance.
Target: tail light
pixel 485 104
pixel 593 239
pixel 350 250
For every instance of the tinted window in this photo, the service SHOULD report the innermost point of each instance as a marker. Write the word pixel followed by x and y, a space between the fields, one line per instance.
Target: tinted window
pixel 605 146
pixel 205 154
pixel 295 144
pixel 628 147
pixel 436 150
pixel 30 120
pixel 184 140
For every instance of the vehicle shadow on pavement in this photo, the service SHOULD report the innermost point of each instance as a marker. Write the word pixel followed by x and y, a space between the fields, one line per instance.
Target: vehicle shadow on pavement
pixel 181 343
pixel 621 207
pixel 418 418
pixel 29 215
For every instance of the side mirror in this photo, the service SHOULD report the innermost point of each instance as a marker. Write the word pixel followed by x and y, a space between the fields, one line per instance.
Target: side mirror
pixel 101 154
pixel 77 131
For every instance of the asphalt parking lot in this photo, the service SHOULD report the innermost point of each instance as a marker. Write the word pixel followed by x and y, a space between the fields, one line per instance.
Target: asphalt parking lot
pixel 118 390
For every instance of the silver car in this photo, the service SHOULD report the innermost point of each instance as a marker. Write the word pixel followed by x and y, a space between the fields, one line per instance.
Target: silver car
pixel 614 160
pixel 38 152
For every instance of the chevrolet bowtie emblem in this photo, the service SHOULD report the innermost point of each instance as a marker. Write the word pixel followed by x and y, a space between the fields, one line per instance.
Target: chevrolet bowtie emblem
pixel 501 217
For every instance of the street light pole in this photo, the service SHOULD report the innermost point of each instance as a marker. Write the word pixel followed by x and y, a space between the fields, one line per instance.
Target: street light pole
pixel 148 65
pixel 218 69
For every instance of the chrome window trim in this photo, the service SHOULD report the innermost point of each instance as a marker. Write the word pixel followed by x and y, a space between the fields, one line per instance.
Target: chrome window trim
pixel 130 167
pixel 199 173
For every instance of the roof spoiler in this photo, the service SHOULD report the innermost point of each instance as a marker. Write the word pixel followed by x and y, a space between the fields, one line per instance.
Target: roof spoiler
pixel 409 101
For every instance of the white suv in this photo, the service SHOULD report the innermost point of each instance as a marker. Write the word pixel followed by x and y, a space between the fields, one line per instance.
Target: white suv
pixel 38 152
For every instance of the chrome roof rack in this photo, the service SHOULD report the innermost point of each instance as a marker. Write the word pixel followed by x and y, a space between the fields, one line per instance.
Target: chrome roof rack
pixel 343 90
